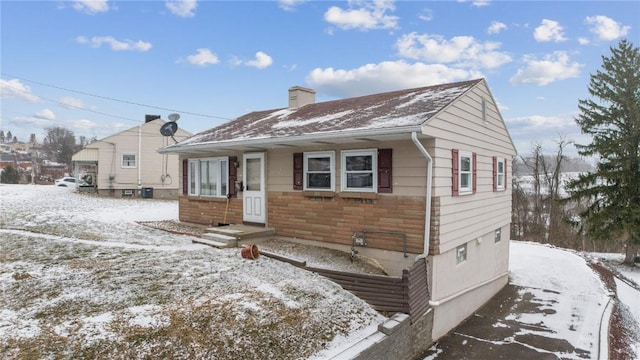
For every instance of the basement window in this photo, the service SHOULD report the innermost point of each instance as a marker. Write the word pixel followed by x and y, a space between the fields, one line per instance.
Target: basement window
pixel 461 254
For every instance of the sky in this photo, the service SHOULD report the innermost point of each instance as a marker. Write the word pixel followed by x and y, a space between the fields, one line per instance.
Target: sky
pixel 97 67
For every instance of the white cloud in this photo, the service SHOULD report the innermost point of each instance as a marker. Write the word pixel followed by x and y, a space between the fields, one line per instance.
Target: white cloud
pixel 203 57
pixel 477 3
pixel 182 8
pixel 496 27
pixel 385 76
pixel 606 28
pixel 583 41
pixel 533 122
pixel 463 51
pixel 15 89
pixel 71 102
pixel 45 114
pixel 552 67
pixel 116 45
pixel 549 30
pixel 426 15
pixel 290 5
pixel 261 61
pixel 363 15
pixel 91 7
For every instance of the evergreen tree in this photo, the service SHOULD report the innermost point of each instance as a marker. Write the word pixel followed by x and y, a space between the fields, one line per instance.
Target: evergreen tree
pixel 9 175
pixel 611 116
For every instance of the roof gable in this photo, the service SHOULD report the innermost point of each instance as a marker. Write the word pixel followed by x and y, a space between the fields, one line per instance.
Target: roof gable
pixel 392 110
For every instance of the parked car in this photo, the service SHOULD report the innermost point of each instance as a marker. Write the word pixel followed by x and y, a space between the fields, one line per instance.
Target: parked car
pixel 66 181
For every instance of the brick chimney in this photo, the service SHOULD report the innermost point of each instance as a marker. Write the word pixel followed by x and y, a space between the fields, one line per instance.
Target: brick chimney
pixel 300 96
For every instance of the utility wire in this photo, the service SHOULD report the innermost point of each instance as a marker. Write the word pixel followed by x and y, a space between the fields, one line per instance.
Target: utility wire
pixel 114 99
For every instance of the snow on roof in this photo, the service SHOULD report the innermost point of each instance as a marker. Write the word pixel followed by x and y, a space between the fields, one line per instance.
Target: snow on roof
pixel 403 108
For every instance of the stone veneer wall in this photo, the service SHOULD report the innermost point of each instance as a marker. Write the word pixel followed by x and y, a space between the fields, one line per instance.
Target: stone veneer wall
pixel 335 218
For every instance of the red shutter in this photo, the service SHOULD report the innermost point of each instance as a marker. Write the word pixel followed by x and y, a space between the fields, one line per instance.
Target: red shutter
pixel 385 181
pixel 185 177
pixel 455 181
pixel 495 173
pixel 298 171
pixel 475 172
pixel 233 176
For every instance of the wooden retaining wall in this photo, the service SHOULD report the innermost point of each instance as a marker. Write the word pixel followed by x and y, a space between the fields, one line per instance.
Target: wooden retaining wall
pixel 407 294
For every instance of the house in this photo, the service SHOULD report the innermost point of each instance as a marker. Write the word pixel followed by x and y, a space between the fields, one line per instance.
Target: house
pixel 397 177
pixel 128 164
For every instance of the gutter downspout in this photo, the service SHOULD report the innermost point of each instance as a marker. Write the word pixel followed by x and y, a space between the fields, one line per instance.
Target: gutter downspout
pixel 140 157
pixel 427 215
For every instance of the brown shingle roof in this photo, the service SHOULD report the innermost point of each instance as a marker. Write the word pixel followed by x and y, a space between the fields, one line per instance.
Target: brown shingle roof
pixel 397 109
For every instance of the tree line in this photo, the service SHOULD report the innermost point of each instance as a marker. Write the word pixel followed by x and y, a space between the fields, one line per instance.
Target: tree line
pixel 599 209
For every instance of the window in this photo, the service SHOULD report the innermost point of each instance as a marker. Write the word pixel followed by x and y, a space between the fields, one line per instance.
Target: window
pixel 463 169
pixel 497 235
pixel 128 160
pixel 461 254
pixel 359 170
pixel 499 173
pixel 319 171
pixel 208 177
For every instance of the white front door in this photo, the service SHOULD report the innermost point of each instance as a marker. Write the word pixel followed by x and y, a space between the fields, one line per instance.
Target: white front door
pixel 254 187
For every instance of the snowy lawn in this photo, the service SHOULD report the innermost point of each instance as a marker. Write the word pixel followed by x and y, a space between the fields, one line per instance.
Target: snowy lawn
pixel 81 279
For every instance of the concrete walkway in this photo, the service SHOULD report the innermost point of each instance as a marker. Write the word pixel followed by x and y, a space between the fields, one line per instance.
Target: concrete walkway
pixel 490 334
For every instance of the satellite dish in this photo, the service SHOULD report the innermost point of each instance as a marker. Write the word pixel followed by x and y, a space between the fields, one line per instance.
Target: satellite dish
pixel 169 128
pixel 174 117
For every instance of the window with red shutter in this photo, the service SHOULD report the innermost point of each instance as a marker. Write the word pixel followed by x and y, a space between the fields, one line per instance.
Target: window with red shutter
pixel 298 171
pixel 185 177
pixel 233 176
pixel 455 180
pixel 385 174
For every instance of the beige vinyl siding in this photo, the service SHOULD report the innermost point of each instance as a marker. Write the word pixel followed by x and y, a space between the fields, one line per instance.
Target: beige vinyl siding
pixel 151 164
pixel 409 166
pixel 460 126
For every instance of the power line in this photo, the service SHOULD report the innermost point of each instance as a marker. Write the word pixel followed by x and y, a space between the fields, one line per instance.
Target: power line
pixel 114 99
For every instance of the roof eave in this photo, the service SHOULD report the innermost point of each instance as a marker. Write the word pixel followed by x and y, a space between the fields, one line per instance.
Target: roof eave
pixel 296 140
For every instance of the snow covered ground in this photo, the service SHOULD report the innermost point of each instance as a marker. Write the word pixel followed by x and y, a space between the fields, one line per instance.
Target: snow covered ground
pixel 80 278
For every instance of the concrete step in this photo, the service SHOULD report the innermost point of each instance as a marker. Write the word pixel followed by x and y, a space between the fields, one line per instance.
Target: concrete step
pixel 217 244
pixel 241 232
pixel 225 239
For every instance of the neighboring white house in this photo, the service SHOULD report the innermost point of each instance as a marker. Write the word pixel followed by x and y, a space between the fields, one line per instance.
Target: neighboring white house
pixel 128 163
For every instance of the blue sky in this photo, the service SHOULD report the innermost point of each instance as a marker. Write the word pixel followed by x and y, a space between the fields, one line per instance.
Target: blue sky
pixel 97 67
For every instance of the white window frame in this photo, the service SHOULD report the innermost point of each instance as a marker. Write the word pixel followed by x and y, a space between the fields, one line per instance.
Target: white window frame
pixel 344 173
pixel 500 175
pixel 468 189
pixel 221 174
pixel 461 254
pixel 332 169
pixel 128 164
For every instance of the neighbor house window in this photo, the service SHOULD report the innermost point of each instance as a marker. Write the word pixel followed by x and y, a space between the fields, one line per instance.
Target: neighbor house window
pixel 461 254
pixel 208 177
pixel 499 173
pixel 463 169
pixel 319 171
pixel 359 170
pixel 128 160
pixel 498 235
